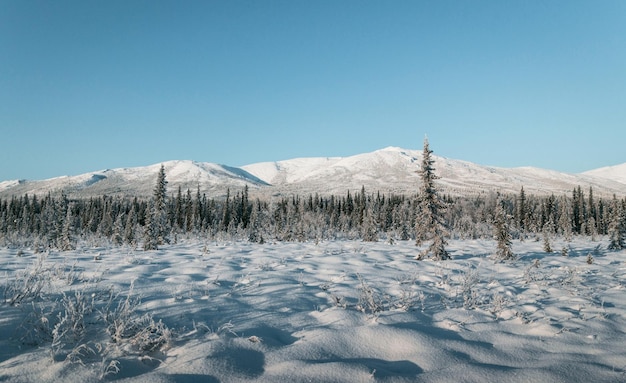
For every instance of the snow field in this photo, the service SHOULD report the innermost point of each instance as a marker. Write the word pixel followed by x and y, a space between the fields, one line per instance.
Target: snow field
pixel 343 311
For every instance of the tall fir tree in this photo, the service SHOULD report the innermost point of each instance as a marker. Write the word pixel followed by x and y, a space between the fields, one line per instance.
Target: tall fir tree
pixel 502 233
pixel 430 223
pixel 520 212
pixel 66 242
pixel 369 232
pixel 160 204
pixel 592 214
pixel 565 218
pixel 150 236
pixel 118 230
pixel 129 227
pixel 157 224
pixel 616 229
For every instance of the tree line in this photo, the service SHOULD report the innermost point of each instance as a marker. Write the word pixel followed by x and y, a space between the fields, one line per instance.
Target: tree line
pixel 59 222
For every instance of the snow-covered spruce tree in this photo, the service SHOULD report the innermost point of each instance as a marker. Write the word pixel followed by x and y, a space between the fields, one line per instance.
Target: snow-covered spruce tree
pixel 616 229
pixel 105 228
pixel 51 220
pixel 258 222
pixel 369 231
pixel 118 230
pixel 502 233
pixel 65 241
pixel 565 218
pixel 546 240
pixel 430 223
pixel 129 227
pixel 150 241
pixel 157 225
pixel 521 213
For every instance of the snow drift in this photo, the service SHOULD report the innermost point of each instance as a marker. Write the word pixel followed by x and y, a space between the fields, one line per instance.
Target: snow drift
pixel 342 311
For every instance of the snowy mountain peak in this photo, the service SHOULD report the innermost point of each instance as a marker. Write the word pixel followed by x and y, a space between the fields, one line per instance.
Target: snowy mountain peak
pixel 394 169
pixel 395 149
pixel 616 173
pixel 213 179
pixel 388 170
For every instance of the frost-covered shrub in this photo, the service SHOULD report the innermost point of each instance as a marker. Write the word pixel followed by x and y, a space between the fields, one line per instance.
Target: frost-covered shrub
pixel 532 273
pixel 469 280
pixel 497 304
pixel 27 285
pixel 126 327
pixel 371 301
pixel 70 327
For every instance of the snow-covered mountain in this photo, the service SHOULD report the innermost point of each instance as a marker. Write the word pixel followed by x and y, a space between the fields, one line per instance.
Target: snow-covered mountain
pixel 395 169
pixel 615 173
pixel 389 170
pixel 213 179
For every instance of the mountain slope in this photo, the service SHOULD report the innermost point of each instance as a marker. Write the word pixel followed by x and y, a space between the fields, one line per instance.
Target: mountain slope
pixel 212 179
pixel 395 170
pixel 616 173
pixel 389 170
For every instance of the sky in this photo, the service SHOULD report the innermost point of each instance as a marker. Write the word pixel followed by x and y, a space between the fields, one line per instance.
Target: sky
pixel 91 85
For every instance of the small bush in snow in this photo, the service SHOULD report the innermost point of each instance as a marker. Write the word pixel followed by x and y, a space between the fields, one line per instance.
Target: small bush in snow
pixel 371 301
pixel 532 272
pixel 546 242
pixel 70 327
pixel 36 329
pixel 338 301
pixel 468 282
pixel 407 299
pixel 28 284
pixel 497 304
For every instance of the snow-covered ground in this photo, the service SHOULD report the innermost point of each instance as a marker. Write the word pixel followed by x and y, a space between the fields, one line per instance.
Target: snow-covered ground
pixel 304 312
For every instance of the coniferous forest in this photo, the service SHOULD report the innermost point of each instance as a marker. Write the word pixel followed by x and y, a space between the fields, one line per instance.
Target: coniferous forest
pixel 52 222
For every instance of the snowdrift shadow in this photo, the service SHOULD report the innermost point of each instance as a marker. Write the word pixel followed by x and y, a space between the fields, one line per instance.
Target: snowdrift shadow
pixel 240 361
pixel 133 367
pixel 193 378
pixel 271 336
pixel 380 368
pixel 430 329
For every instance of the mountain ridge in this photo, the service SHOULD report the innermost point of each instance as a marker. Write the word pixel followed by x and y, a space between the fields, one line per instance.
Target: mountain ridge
pixel 388 170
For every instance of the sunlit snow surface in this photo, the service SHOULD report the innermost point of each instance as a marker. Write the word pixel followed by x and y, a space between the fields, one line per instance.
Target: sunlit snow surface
pixel 298 312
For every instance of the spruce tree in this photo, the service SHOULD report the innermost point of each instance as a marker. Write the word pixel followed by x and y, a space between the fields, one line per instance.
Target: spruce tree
pixel 52 213
pixel 65 241
pixel 546 240
pixel 369 231
pixel 129 227
pixel 160 205
pixel 150 234
pixel 430 224
pixel 157 225
pixel 521 212
pixel 502 234
pixel 565 218
pixel 118 230
pixel 105 228
pixel 592 215
pixel 616 228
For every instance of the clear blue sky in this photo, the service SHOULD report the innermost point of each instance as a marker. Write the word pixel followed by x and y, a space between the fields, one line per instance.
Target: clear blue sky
pixel 89 85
